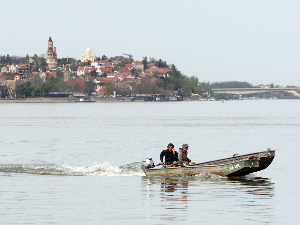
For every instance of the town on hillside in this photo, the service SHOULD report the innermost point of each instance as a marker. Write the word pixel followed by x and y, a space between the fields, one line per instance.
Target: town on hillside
pixel 49 76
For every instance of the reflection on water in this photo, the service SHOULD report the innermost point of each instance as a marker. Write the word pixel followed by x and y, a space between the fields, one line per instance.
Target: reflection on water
pixel 250 185
pixel 254 185
pixel 178 195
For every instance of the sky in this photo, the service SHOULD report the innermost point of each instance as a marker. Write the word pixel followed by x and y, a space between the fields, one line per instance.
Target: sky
pixel 217 40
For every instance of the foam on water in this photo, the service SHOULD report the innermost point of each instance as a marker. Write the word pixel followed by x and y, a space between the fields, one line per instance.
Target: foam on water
pixel 96 169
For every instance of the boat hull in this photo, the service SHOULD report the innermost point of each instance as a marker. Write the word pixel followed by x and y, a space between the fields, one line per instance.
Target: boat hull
pixel 233 166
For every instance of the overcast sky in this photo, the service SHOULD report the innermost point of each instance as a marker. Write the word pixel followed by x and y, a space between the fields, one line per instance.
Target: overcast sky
pixel 252 41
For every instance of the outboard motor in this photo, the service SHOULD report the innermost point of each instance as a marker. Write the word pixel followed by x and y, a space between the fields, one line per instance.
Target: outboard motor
pixel 147 163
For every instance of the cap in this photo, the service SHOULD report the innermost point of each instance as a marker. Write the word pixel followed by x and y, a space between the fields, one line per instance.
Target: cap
pixel 185 145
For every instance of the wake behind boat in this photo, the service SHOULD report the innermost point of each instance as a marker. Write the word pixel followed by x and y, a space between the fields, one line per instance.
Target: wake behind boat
pixel 239 165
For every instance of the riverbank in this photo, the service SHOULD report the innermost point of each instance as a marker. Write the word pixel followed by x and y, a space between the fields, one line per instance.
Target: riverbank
pixel 99 100
pixel 74 100
pixel 59 100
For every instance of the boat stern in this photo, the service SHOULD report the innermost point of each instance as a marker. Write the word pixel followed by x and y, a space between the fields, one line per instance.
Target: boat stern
pixel 147 163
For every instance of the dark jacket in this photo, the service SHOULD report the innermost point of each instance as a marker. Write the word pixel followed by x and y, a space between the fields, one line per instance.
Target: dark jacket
pixel 169 156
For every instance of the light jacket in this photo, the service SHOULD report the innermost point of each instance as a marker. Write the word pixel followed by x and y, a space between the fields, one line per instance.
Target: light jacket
pixel 182 156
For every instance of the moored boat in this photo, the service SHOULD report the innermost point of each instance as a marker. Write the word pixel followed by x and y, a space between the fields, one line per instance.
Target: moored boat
pixel 239 165
pixel 85 100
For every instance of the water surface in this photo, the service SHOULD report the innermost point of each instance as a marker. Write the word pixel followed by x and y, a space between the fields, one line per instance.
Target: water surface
pixel 72 163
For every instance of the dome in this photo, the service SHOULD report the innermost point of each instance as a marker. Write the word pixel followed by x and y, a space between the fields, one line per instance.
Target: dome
pixel 88 49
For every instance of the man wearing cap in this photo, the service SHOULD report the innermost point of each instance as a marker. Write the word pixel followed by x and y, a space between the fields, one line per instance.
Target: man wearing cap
pixel 170 155
pixel 183 159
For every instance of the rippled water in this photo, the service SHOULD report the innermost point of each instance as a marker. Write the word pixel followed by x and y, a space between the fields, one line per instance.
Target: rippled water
pixel 78 163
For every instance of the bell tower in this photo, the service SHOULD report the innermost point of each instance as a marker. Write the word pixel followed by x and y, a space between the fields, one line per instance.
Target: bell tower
pixel 51 57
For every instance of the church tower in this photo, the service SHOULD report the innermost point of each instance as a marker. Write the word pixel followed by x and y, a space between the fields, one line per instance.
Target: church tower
pixel 51 57
pixel 88 56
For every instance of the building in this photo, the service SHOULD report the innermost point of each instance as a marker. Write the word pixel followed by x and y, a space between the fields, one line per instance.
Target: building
pixel 88 56
pixel 4 69
pixel 51 57
pixel 138 65
pixel 13 69
pixel 82 70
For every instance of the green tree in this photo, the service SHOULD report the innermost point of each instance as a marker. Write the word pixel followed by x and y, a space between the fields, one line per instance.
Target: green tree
pixel 174 81
pixel 93 73
pixel 161 64
pixel 127 61
pixel 10 76
pixel 152 60
pixel 230 84
pixel 159 90
pixel 8 58
pixel 133 71
pixel 52 84
pixel 24 89
pixel 121 64
pixel 104 57
pixel 109 88
pixel 3 91
pixel 41 64
pixel 74 66
pixel 89 87
pixel 145 62
pixel 59 73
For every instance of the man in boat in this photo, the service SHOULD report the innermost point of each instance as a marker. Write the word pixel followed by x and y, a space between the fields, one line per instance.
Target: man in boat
pixel 171 156
pixel 182 156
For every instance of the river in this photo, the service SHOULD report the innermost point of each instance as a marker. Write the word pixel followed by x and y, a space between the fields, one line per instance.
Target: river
pixel 78 163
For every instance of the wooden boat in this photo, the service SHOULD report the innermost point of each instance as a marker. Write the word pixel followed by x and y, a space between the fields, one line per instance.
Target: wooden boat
pixel 239 165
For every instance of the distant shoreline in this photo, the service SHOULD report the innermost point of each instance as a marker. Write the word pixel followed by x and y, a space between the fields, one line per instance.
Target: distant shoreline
pixel 97 100
pixel 59 100
pixel 72 100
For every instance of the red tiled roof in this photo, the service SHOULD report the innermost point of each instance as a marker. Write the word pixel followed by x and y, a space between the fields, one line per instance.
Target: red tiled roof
pixel 81 67
pixel 125 73
pixel 100 91
pixel 149 74
pixel 128 65
pixel 104 69
pixel 159 70
pixel 108 79
pixel 108 64
pixel 51 73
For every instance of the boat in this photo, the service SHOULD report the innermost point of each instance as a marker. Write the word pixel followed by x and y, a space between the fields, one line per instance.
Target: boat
pixel 85 100
pixel 238 165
